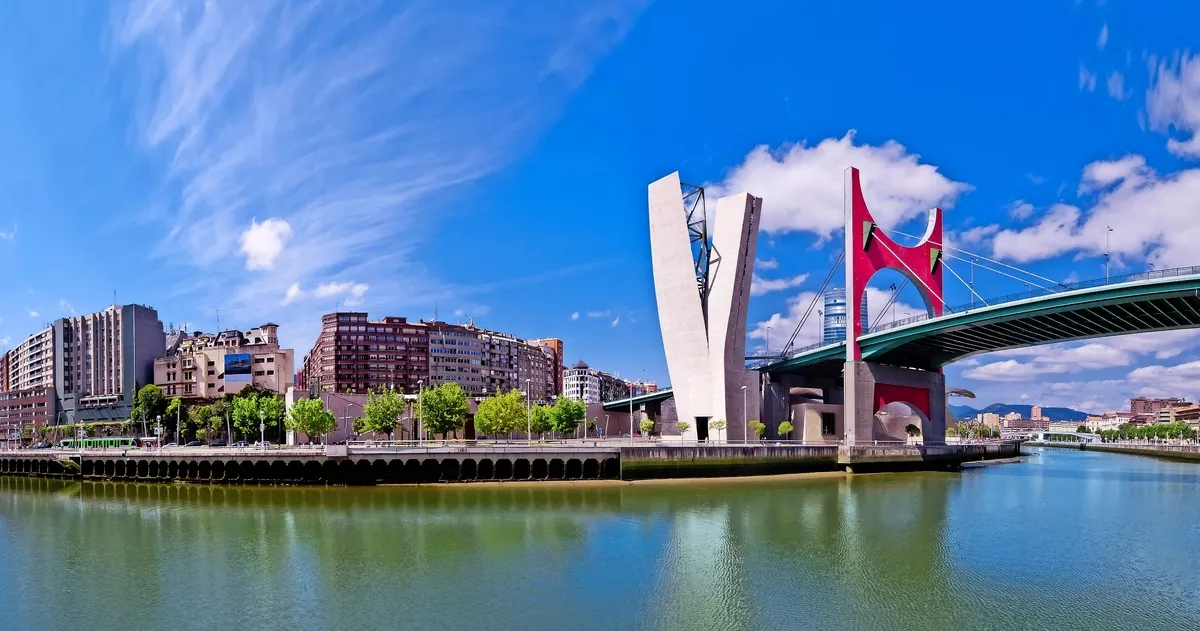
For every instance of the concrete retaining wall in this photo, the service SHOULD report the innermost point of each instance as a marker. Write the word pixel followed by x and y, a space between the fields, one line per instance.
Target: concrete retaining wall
pixel 1189 453
pixel 639 463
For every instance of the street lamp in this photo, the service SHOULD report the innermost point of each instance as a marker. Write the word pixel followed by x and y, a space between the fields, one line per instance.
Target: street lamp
pixel 420 409
pixel 262 426
pixel 158 429
pixel 745 420
pixel 528 416
pixel 346 418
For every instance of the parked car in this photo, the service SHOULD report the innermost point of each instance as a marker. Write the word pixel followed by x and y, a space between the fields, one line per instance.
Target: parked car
pixel 219 443
pixel 171 445
pixel 241 443
pixel 263 444
pixel 193 443
pixel 41 446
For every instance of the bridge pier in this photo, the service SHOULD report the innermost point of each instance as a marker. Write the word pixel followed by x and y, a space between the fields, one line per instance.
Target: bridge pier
pixel 869 387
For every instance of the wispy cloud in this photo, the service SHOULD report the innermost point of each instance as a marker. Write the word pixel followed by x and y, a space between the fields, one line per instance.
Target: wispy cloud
pixel 8 236
pixel 33 314
pixel 335 122
pixel 574 316
pixel 616 321
pixel 66 306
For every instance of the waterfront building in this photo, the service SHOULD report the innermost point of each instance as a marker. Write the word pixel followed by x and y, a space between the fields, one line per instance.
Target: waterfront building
pixel 1012 416
pixel 833 324
pixel 354 354
pixel 209 365
pixel 19 409
pixel 30 364
pixel 1142 405
pixel 1063 426
pixel 593 386
pixel 990 419
pixel 1020 423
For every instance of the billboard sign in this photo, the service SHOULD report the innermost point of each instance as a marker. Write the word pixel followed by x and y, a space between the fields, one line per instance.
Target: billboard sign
pixel 237 368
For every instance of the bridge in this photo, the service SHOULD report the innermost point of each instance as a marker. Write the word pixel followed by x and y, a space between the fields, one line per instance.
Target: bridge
pixel 1044 436
pixel 848 392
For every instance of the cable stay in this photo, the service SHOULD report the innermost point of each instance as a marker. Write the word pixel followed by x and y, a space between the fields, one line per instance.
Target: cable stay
pixel 812 305
pixel 979 256
pixel 891 301
pixel 970 288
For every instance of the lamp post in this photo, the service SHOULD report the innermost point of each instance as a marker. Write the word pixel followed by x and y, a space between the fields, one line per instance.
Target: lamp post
pixel 346 418
pixel 528 416
pixel 158 430
pixel 630 413
pixel 745 420
pixel 420 409
pixel 1107 252
pixel 262 427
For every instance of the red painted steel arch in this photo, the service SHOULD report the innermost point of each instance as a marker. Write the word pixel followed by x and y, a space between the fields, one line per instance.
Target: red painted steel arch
pixel 869 250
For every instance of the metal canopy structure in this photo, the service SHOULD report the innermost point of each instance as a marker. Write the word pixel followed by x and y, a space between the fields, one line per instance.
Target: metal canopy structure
pixel 1145 303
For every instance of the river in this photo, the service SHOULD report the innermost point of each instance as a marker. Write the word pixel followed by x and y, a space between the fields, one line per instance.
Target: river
pixel 1067 539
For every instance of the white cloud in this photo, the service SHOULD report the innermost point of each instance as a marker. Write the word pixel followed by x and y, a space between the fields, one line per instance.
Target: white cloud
pixel 1020 210
pixel 1024 396
pixel 761 286
pixel 66 306
pixel 971 237
pixel 599 314
pixel 5 341
pixel 575 316
pixel 33 314
pixel 1173 103
pixel 341 119
pixel 1161 381
pixel 293 294
pixel 1116 86
pixel 1102 41
pixel 1036 179
pixel 351 290
pixel 1011 370
pixel 616 321
pixel 766 265
pixel 262 243
pixel 8 236
pixel 802 185
pixel 1151 216
pixel 1087 80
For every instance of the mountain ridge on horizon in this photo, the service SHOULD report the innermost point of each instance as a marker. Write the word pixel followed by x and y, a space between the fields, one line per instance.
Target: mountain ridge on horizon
pixel 965 412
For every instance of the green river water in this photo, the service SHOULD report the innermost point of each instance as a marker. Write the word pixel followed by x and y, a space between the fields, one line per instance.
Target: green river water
pixel 1066 540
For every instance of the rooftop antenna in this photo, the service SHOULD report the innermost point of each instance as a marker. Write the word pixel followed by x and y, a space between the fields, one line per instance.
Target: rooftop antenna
pixel 218 320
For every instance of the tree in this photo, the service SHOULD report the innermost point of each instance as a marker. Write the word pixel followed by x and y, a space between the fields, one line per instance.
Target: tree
pixel 249 411
pixel 785 428
pixel 503 414
pixel 1083 429
pixel 718 424
pixel 646 426
pixel 759 428
pixel 567 415
pixel 311 417
pixel 683 426
pixel 443 409
pixel 912 430
pixel 541 419
pixel 381 412
pixel 148 403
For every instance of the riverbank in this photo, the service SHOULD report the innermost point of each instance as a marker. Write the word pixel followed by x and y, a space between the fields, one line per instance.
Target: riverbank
pixel 365 466
pixel 1188 453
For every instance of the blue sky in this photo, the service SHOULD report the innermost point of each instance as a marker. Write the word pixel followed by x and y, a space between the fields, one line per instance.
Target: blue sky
pixel 490 160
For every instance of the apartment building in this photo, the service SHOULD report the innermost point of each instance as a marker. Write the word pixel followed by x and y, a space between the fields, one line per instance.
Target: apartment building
pixel 86 367
pixel 593 386
pixel 20 409
pixel 356 354
pixel 210 365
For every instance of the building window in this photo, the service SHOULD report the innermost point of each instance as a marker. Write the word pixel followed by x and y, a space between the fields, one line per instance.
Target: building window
pixel 258 373
pixel 212 372
pixel 270 372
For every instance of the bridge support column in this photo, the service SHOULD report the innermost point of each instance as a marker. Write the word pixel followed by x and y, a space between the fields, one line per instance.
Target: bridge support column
pixel 776 404
pixel 869 387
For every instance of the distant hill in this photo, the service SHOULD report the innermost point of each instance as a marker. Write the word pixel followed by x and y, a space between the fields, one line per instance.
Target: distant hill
pixel 963 412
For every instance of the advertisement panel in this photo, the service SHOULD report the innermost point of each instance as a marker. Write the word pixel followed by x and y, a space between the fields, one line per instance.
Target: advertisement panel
pixel 237 368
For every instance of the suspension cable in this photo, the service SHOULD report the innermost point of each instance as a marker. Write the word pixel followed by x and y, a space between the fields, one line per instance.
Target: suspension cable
pixel 914 274
pixel 960 279
pixel 996 271
pixel 820 292
pixel 950 247
pixel 889 303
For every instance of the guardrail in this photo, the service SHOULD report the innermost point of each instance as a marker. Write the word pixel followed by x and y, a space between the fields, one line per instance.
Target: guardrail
pixel 1173 272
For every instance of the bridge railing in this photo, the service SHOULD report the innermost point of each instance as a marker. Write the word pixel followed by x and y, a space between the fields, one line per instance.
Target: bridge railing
pixel 759 361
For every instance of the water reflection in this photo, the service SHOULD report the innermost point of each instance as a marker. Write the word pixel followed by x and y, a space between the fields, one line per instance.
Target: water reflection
pixel 1017 546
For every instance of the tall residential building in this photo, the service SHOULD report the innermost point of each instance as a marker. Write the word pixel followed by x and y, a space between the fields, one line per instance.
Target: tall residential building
pixel 555 347
pixel 455 355
pixel 31 363
pixel 1142 405
pixel 593 386
pixel 1035 412
pixel 355 354
pixel 209 365
pixel 103 358
pixel 833 325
